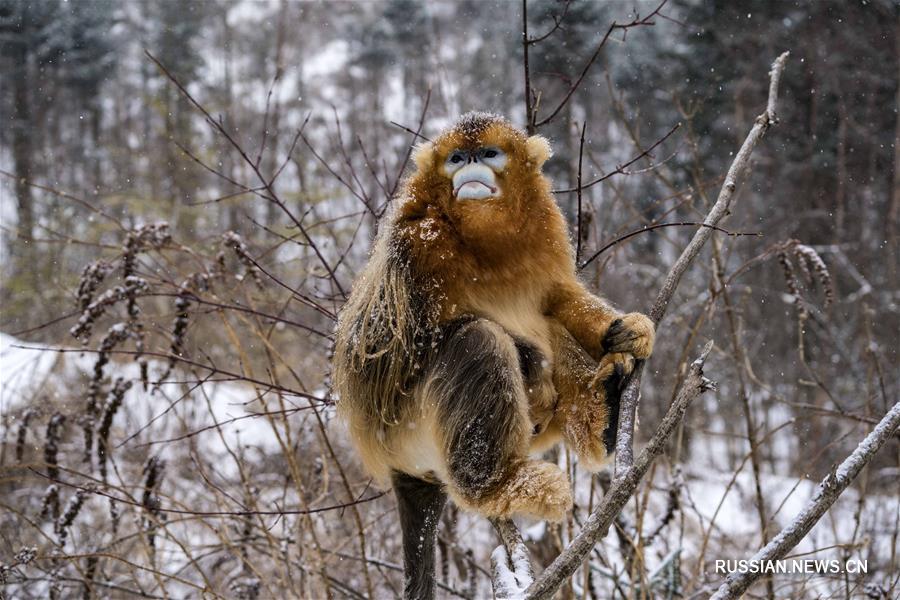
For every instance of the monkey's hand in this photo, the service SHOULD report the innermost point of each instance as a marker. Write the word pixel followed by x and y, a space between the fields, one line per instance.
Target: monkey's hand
pixel 632 333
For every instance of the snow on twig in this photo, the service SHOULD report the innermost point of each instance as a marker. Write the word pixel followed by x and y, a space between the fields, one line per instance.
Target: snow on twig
pixel 512 570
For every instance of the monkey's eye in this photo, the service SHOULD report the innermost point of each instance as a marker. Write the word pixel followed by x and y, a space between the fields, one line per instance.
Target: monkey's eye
pixel 455 161
pixel 493 157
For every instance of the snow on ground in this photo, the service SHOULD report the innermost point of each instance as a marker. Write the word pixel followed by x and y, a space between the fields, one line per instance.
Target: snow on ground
pixel 32 372
pixel 21 371
pixel 176 422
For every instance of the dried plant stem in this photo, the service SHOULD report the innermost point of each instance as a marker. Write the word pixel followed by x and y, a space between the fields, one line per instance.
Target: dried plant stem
pixel 829 489
pixel 749 422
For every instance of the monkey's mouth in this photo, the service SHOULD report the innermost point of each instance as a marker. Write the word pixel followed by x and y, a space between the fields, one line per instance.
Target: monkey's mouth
pixel 474 190
pixel 475 182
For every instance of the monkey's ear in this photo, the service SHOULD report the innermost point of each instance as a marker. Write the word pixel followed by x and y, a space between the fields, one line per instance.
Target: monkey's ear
pixel 538 149
pixel 423 156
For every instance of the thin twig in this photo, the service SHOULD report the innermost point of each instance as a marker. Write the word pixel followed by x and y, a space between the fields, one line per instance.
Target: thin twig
pixel 578 189
pixel 647 228
pixel 93 489
pixel 208 367
pixel 409 149
pixel 267 183
pixel 621 169
pixel 408 130
pixel 557 23
pixel 638 21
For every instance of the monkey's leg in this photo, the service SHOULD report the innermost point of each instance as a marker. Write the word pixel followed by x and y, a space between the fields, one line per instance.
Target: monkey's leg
pixel 587 412
pixel 420 504
pixel 482 409
pixel 537 375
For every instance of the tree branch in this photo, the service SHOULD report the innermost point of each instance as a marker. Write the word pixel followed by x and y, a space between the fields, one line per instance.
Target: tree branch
pixel 529 111
pixel 216 125
pixel 629 401
pixel 829 490
pixel 647 228
pixel 510 564
pixel 578 234
pixel 628 471
pixel 620 169
pixel 622 487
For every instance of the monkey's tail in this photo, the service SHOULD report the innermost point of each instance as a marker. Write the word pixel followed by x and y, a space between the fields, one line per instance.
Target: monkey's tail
pixel 420 504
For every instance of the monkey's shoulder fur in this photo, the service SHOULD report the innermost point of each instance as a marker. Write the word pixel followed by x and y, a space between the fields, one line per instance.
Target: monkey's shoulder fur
pixel 470 309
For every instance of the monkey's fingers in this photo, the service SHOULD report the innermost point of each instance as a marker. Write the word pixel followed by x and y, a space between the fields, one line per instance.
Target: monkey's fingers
pixel 632 333
pixel 588 430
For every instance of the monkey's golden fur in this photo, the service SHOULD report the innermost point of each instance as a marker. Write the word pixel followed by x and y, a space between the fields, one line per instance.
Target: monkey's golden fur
pixel 498 274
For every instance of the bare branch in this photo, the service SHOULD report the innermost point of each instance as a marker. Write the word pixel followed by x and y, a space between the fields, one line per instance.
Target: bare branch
pixel 647 228
pixel 165 355
pixel 267 184
pixel 409 149
pixel 412 131
pixel 578 188
pixel 529 110
pixel 557 23
pixel 93 488
pixel 65 196
pixel 625 436
pixel 621 169
pixel 637 22
pixel 829 490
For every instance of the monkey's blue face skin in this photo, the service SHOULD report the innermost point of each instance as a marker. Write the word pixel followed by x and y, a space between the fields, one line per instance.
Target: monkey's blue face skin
pixel 474 172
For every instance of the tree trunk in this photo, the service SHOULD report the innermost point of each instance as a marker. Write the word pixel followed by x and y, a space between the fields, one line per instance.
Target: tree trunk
pixel 22 130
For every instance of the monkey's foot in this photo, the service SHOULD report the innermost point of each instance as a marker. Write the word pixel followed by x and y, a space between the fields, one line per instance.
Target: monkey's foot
pixel 590 427
pixel 611 373
pixel 535 488
pixel 633 333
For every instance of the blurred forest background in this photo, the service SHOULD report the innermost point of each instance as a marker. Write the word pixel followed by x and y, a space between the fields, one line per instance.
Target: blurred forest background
pixel 193 264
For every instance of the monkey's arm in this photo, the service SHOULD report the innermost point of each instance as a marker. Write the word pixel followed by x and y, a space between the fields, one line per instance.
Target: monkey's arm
pixel 598 327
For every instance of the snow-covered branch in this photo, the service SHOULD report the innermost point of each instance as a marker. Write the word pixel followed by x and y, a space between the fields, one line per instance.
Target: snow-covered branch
pixel 510 564
pixel 829 490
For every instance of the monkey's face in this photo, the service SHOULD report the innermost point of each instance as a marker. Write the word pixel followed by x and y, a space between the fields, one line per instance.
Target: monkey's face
pixel 484 175
pixel 474 172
